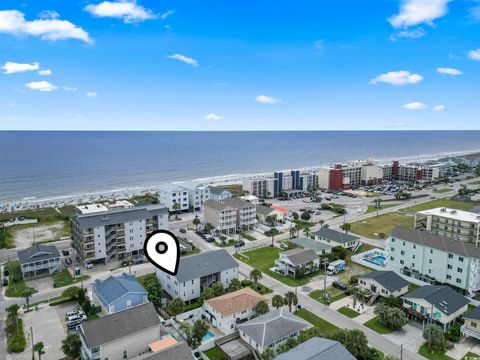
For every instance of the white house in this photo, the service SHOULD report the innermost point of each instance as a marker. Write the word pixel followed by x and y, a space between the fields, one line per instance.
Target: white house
pixel 289 262
pixel 336 238
pixel 39 260
pixel 438 303
pixel 383 283
pixel 226 311
pixel 189 195
pixel 219 194
pixel 271 329
pixel 197 272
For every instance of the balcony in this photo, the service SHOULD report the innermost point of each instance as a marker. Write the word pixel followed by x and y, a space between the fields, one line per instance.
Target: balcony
pixel 469 332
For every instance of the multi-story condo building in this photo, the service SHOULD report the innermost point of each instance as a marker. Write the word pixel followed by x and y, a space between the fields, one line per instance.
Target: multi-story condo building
pixel 259 186
pixel 198 272
pixel 223 217
pixel 188 195
pixel 270 186
pixel 115 234
pixel 435 259
pixel 352 174
pixel 246 212
pixel 457 224
pixel 413 173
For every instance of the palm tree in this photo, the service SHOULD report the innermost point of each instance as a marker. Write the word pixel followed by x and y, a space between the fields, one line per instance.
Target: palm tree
pixel 196 222
pixel 235 285
pixel 272 232
pixel 377 202
pixel 434 336
pixel 347 227
pixel 356 342
pixel 176 207
pixel 291 299
pixel 27 293
pixel 38 348
pixel 217 288
pixel 208 294
pixel 175 307
pixel 321 222
pixel 277 301
pixel 71 346
pixel 199 330
pixel 261 307
pixel 256 276
pixel 208 228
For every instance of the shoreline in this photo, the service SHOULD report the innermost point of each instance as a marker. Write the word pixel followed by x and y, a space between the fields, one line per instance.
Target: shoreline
pixel 32 202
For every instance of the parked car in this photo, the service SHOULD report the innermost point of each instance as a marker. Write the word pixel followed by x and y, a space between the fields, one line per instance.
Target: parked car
pixel 240 244
pixel 284 246
pixel 69 314
pixel 183 231
pixel 339 285
pixel 65 252
pixel 68 261
pixel 5 282
pixel 209 238
pixel 89 266
pixel 5 271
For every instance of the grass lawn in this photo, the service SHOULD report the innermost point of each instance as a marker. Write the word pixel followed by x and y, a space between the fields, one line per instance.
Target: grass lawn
pixel 248 237
pixel 448 203
pixel 443 190
pixel 235 189
pixel 476 182
pixel 327 329
pixel 64 278
pixel 434 355
pixel 375 325
pixel 228 243
pixel 6 239
pixel 194 250
pixel 471 356
pixel 333 293
pixel 264 259
pixel 15 289
pixel 261 289
pixel 383 224
pixel 214 354
pixel 348 312
pixel 303 224
pixel 373 208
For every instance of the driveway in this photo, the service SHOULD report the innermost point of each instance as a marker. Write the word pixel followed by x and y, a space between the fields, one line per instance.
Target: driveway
pixel 410 336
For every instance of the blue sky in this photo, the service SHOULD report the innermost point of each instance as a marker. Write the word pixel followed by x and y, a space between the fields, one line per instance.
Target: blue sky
pixel 239 65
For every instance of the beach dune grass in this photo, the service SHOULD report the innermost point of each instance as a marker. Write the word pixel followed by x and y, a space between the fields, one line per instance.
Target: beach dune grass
pixel 383 224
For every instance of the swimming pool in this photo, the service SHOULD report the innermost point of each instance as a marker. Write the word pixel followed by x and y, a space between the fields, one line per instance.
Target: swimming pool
pixel 208 336
pixel 376 257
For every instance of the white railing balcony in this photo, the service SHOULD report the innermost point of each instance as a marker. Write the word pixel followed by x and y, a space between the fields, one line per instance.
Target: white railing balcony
pixel 470 333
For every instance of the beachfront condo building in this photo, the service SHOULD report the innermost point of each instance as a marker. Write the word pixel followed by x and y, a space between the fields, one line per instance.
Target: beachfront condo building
pixel 246 213
pixel 115 234
pixel 457 224
pixel 184 196
pixel 411 173
pixel 289 182
pixel 223 217
pixel 435 259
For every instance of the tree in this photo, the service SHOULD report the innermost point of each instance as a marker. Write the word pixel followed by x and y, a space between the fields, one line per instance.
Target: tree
pixel 154 289
pixel 346 227
pixel 27 293
pixel 208 228
pixel 175 307
pixel 262 307
pixel 295 215
pixel 235 285
pixel 277 301
pixel 71 346
pixel 38 348
pixel 272 232
pixel 356 342
pixel 217 288
pixel 199 330
pixel 268 354
pixel 196 222
pixel 71 292
pixel 321 222
pixel 271 220
pixel 391 317
pixel 176 207
pixel 256 276
pixel 377 202
pixel 434 336
pixel 290 299
pixel 208 294
pixel 306 216
pixel 340 252
pixel 13 313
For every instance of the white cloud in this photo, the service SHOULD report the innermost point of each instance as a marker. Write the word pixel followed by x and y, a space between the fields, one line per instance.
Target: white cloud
pixel 91 94
pixel 319 44
pixel 128 11
pixel 184 59
pixel 12 68
pixel 401 77
pixel 166 14
pixel 49 14
pixel 46 72
pixel 264 99
pixel 449 71
pixel 415 106
pixel 68 88
pixel 439 108
pixel 475 12
pixel 13 22
pixel 415 12
pixel 408 34
pixel 213 117
pixel 474 54
pixel 43 86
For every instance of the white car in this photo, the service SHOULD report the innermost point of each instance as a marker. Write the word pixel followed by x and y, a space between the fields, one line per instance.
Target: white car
pixel 89 266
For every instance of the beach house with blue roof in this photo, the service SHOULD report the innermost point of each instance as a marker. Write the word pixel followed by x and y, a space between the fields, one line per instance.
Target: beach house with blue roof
pixel 118 293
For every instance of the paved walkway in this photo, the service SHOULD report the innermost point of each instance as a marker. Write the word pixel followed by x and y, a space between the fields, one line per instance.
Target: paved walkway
pixel 463 347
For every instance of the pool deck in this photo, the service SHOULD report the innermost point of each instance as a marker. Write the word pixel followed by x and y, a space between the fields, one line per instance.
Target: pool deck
pixel 364 259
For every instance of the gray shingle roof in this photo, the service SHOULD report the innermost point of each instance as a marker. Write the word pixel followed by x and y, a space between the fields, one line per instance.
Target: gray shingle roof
pixel 113 288
pixel 444 298
pixel 120 216
pixel 310 244
pixel 335 235
pixel 390 280
pixel 264 210
pixel 317 349
pixel 38 252
pixel 181 351
pixel 205 263
pixel 272 327
pixel 218 191
pixel 473 314
pixel 438 242
pixel 118 325
pixel 217 205
pixel 300 256
pixel 237 203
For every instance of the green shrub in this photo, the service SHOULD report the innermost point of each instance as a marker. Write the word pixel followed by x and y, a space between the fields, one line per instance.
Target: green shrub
pixel 16 340
pixel 453 334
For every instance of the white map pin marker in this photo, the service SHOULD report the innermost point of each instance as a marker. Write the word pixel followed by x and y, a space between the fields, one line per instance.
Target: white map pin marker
pixel 162 249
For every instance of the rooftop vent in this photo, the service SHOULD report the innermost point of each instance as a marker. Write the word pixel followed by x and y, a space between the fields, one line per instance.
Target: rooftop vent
pixel 443 209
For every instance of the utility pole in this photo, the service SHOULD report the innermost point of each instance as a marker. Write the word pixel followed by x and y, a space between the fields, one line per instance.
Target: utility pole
pixel 325 279
pixel 401 351
pixel 31 337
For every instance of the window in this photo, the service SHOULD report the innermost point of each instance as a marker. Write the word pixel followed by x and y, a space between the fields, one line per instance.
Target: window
pixel 125 356
pixel 392 258
pixel 460 258
pixel 459 270
pixel 473 324
pixel 459 281
pixel 402 252
pixel 392 248
pixel 403 243
pixel 429 261
pixel 414 256
pixel 402 262
pixel 449 277
pixel 431 251
pixel 449 267
pixel 450 256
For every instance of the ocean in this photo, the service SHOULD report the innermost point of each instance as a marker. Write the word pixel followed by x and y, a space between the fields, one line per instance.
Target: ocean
pixel 51 164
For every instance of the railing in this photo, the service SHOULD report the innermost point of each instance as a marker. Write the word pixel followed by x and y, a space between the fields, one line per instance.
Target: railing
pixel 468 332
